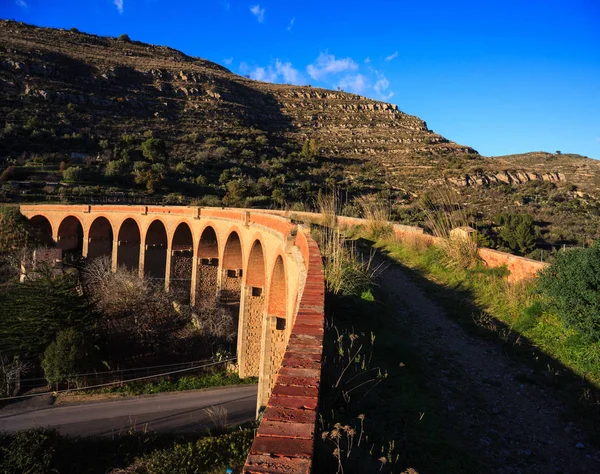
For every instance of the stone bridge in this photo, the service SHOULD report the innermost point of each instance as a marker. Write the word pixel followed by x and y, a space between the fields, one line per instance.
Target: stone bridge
pixel 269 266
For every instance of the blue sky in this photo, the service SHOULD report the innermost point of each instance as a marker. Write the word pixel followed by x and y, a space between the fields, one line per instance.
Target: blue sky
pixel 501 76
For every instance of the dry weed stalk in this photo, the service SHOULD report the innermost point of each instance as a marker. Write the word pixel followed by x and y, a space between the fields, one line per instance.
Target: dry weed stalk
pixel 328 205
pixel 218 416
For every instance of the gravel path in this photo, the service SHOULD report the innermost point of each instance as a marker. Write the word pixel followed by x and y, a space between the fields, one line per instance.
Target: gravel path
pixel 512 427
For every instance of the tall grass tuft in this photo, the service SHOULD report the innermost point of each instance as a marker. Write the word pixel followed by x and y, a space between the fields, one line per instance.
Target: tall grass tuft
pixel 346 271
pixel 443 214
pixel 377 215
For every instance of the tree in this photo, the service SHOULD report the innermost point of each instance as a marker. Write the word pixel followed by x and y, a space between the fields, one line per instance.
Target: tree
pixel 517 232
pixel 572 286
pixel 32 313
pixel 69 354
pixel 310 149
pixel 124 37
pixel 72 174
pixel 16 232
pixel 154 149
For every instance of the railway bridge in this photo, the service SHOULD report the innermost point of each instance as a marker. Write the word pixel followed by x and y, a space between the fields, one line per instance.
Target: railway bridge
pixel 269 266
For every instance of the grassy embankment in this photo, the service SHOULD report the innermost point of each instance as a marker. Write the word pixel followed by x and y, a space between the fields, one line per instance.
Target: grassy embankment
pixel 484 301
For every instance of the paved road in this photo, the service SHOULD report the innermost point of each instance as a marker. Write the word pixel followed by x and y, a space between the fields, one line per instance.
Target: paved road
pixel 179 411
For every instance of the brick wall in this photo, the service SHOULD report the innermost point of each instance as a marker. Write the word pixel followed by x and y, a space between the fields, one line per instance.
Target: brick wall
pixel 285 438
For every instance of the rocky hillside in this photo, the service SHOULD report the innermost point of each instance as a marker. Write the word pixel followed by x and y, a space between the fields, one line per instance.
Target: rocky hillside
pixel 86 117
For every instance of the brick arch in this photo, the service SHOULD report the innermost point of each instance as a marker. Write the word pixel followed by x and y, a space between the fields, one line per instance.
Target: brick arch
pixel 70 235
pixel 278 289
pixel 252 311
pixel 156 245
pixel 182 257
pixel 232 268
pixel 129 240
pixel 233 251
pixel 208 243
pixel 207 270
pixel 42 226
pixel 100 238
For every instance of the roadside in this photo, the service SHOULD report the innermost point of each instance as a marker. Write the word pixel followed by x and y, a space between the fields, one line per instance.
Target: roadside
pixel 187 411
pixel 509 425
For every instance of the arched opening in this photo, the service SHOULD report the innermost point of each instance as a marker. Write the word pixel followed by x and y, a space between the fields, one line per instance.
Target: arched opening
pixel 252 313
pixel 155 257
pixel 42 228
pixel 128 245
pixel 182 255
pixel 70 238
pixel 100 239
pixel 208 266
pixel 231 278
pixel 274 331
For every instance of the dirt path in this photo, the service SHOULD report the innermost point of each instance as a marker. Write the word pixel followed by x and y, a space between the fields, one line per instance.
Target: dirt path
pixel 512 427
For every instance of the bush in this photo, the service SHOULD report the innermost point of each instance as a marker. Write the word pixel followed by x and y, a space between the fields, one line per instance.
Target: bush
pixel 154 149
pixel 69 354
pixel 16 232
pixel 72 174
pixel 30 451
pixel 572 285
pixel 205 455
pixel 124 37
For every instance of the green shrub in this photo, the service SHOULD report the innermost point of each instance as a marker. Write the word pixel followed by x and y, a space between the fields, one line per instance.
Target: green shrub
pixel 30 451
pixel 69 354
pixel 572 285
pixel 72 174
pixel 16 232
pixel 154 149
pixel 203 456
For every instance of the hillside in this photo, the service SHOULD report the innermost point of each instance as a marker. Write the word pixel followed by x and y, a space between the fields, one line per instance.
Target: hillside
pixel 112 119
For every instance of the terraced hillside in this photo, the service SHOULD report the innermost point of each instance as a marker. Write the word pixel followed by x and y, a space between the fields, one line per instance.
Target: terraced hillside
pixel 86 117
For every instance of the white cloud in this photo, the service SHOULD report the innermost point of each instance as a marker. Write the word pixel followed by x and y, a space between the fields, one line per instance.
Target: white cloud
pixel 327 64
pixel 289 28
pixel 382 87
pixel 289 73
pixel 119 5
pixel 279 72
pixel 357 84
pixel 21 3
pixel 367 60
pixel 228 61
pixel 258 12
pixel 392 56
pixel 263 74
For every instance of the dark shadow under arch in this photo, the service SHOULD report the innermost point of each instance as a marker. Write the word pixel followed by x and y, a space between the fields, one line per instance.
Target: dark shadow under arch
pixel 100 237
pixel 155 257
pixel 128 242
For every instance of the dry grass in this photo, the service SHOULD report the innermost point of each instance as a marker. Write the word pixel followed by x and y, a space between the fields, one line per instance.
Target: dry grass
pixel 415 242
pixel 378 216
pixel 443 214
pixel 218 417
pixel 329 206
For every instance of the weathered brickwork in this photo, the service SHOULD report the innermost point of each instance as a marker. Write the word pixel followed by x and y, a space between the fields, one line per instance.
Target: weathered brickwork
pixel 208 274
pixel 231 286
pixel 254 310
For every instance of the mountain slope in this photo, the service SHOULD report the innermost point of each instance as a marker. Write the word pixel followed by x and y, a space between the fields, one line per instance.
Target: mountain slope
pixel 113 119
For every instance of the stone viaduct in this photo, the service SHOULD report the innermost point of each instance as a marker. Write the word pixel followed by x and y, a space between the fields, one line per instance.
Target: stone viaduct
pixel 269 266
